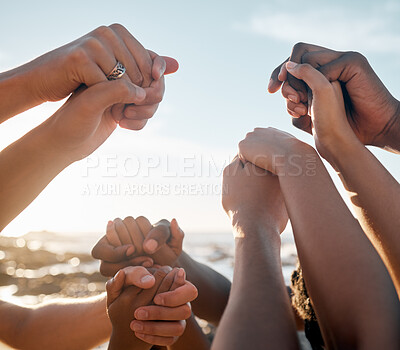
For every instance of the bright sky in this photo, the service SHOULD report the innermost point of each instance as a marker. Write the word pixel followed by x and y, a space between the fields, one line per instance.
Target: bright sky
pixel 226 51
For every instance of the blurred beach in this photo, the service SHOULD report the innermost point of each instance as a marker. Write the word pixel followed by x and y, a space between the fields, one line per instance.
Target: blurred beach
pixel 40 266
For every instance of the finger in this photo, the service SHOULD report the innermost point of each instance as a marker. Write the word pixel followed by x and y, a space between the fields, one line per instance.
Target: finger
pixel 319 58
pixel 138 276
pixel 157 237
pixel 298 108
pixel 123 232
pixel 177 235
pixel 140 112
pixel 167 282
pixel 289 93
pixel 144 225
pixel 313 78
pixel 159 328
pixel 103 95
pixel 103 250
pixel 109 269
pixel 303 123
pixel 163 313
pixel 171 64
pixel 159 66
pixel 179 296
pixel 155 340
pixel 154 93
pixel 274 82
pixel 112 235
pixel 134 233
pixel 138 52
pixel 121 54
pixel 133 124
pixel 179 279
pixel 114 287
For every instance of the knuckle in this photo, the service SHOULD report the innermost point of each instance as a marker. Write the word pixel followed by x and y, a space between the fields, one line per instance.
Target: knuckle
pixel 93 44
pixel 117 27
pixel 101 31
pixel 79 56
pixel 357 57
pixel 136 77
pixel 300 46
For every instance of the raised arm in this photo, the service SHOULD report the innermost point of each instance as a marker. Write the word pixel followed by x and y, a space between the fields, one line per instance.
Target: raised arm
pixel 374 192
pixel 85 61
pixel 341 267
pixel 258 314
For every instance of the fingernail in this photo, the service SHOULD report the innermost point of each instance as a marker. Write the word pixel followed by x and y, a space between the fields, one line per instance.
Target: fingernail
pixel 270 84
pixel 181 273
pixel 136 326
pixel 147 278
pixel 292 98
pixel 109 223
pixel 142 314
pixel 162 70
pixel 130 251
pixel 300 110
pixel 151 245
pixel 290 65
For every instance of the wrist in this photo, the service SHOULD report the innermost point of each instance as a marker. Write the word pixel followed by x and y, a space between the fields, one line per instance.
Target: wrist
pixel 246 227
pixel 389 137
pixel 17 92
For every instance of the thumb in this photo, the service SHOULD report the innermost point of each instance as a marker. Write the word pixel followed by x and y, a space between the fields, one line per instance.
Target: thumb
pixel 138 276
pixel 312 77
pixel 105 94
pixel 177 234
pixel 114 287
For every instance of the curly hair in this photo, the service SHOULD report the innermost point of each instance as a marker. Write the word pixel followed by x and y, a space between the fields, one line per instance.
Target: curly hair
pixel 302 304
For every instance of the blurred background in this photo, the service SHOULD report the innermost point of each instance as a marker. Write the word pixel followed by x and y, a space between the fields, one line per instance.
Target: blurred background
pixel 172 168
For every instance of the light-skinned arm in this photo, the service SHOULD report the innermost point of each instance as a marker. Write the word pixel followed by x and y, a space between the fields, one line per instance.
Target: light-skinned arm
pixel 341 267
pixel 60 324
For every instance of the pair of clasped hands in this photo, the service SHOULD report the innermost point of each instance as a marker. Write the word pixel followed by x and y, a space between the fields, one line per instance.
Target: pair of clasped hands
pixel 335 96
pixel 148 301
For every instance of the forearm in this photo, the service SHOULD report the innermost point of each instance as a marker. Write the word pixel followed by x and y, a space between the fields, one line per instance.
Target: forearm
pixel 69 324
pixel 16 92
pixel 335 254
pixel 193 338
pixel 258 313
pixel 213 289
pixel 375 195
pixel 28 165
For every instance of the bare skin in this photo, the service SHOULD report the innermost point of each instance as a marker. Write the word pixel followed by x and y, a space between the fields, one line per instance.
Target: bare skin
pixel 254 203
pixel 372 112
pixel 86 61
pixel 377 207
pixel 329 241
pixel 128 239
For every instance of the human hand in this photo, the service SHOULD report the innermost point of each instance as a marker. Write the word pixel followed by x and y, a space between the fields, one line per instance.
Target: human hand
pixel 136 241
pixel 171 307
pixel 122 301
pixel 329 125
pixel 253 195
pixel 372 112
pixel 87 119
pixel 272 149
